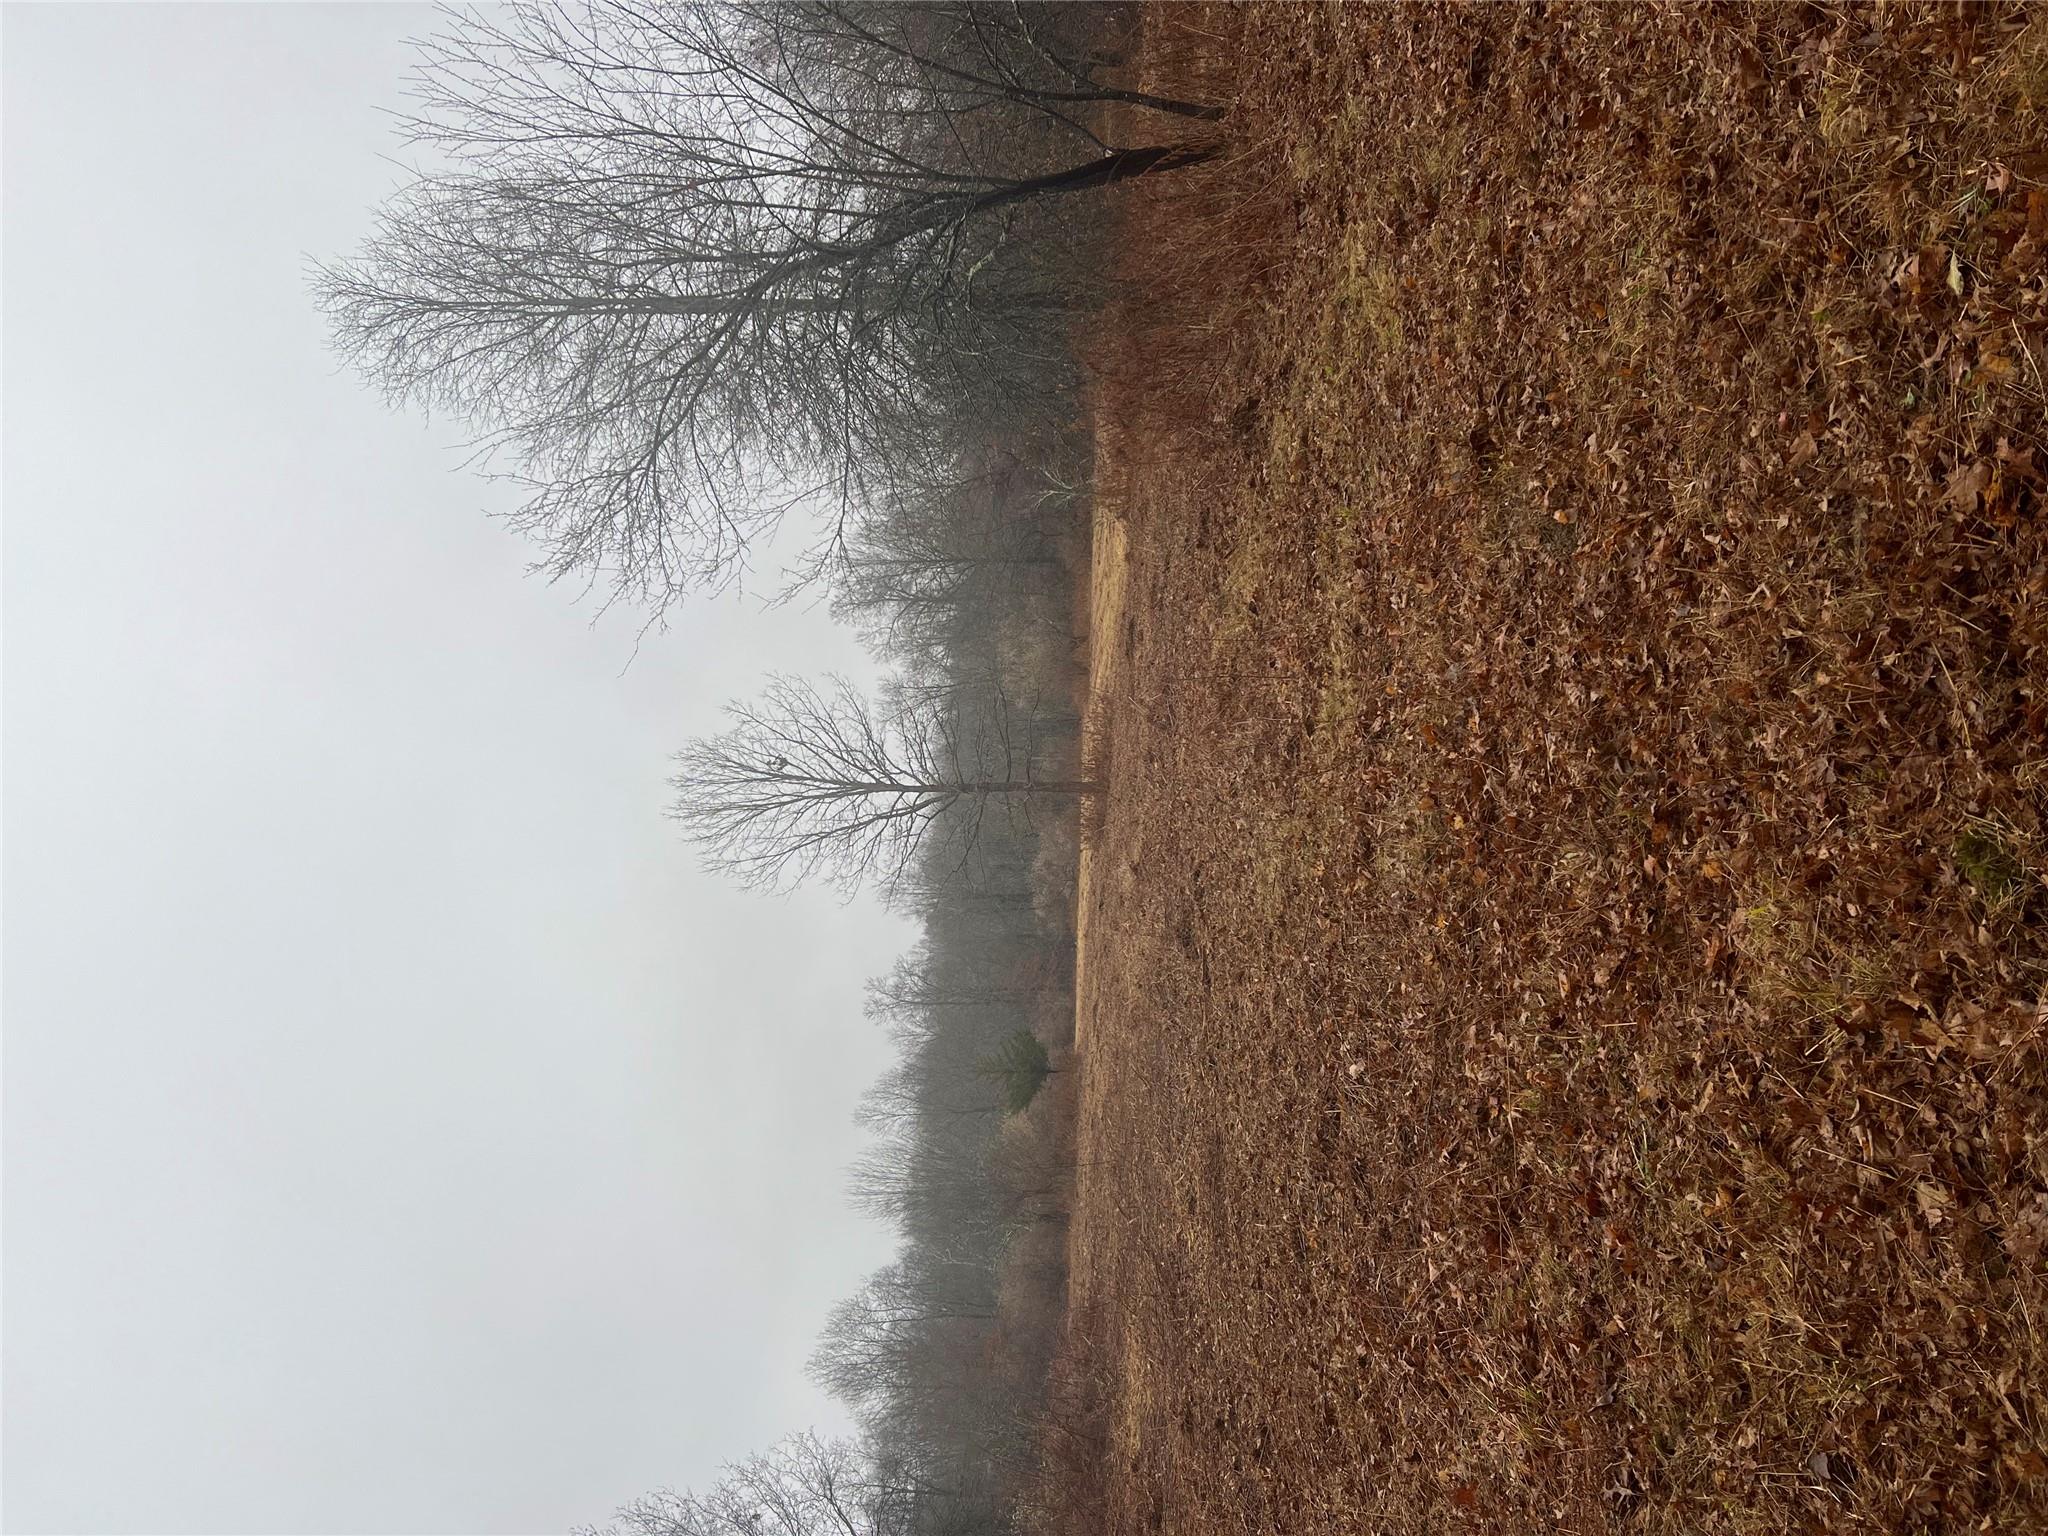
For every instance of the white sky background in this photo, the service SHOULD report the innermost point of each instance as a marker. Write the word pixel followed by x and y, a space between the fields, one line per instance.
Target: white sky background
pixel 401 1134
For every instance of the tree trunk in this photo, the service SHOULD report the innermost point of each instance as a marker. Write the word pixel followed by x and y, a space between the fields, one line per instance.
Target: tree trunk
pixel 1117 165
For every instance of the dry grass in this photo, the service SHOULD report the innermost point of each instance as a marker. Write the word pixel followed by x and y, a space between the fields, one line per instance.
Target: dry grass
pixel 1107 635
pixel 1565 960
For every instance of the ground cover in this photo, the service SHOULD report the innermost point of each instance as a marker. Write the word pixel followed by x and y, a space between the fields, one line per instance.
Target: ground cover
pixel 1562 1010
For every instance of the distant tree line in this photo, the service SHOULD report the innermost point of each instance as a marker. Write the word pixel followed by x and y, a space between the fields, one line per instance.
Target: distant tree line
pixel 968 586
pixel 956 794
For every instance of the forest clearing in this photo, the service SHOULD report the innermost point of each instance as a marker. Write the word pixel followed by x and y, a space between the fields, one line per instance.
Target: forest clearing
pixel 1028 768
pixel 1562 1014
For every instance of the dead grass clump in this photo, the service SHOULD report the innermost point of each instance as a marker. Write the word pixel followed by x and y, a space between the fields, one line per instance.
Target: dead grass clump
pixel 1067 1495
pixel 1033 1156
pixel 1988 857
pixel 1052 1020
pixel 1032 1164
pixel 1056 875
pixel 1097 763
pixel 1031 1291
pixel 1031 1299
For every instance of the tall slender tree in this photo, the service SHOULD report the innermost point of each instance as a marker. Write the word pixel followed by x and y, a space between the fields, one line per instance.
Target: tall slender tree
pixel 815 780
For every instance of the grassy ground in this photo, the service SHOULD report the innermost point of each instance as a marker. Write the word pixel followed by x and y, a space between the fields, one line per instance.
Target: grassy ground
pixel 1564 1013
pixel 1108 564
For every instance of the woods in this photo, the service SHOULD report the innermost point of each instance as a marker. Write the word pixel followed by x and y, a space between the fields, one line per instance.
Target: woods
pixel 690 271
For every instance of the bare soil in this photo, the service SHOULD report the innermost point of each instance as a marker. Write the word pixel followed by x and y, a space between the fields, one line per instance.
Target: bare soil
pixel 1565 993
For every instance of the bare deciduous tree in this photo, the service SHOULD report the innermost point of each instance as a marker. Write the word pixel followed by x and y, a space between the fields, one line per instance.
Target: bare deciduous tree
pixel 815 780
pixel 923 982
pixel 693 265
pixel 803 1487
pixel 869 1347
pixel 969 536
pixel 903 1097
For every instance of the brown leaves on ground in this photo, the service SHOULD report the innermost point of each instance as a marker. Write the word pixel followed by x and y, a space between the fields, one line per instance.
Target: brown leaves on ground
pixel 1566 992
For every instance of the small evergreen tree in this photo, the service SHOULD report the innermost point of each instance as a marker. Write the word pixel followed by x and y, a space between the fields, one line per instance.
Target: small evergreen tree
pixel 1022 1067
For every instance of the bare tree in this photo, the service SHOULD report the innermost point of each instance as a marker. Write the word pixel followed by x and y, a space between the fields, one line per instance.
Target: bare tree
pixel 870 1343
pixel 903 1097
pixel 918 986
pixel 969 535
pixel 693 265
pixel 1006 906
pixel 803 1487
pixel 816 780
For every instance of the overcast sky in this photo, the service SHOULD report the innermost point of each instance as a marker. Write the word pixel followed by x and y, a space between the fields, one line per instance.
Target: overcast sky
pixel 401 1133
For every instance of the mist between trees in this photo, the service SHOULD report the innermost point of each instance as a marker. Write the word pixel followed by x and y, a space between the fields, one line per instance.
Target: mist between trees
pixel 688 269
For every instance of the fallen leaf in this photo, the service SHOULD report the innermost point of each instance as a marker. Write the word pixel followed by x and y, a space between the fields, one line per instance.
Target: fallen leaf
pixel 1934 1202
pixel 1966 484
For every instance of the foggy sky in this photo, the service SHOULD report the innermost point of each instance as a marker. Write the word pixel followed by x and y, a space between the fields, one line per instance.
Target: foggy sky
pixel 400 1132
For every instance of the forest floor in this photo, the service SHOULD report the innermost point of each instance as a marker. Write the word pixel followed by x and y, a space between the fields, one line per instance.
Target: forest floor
pixel 1565 1015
